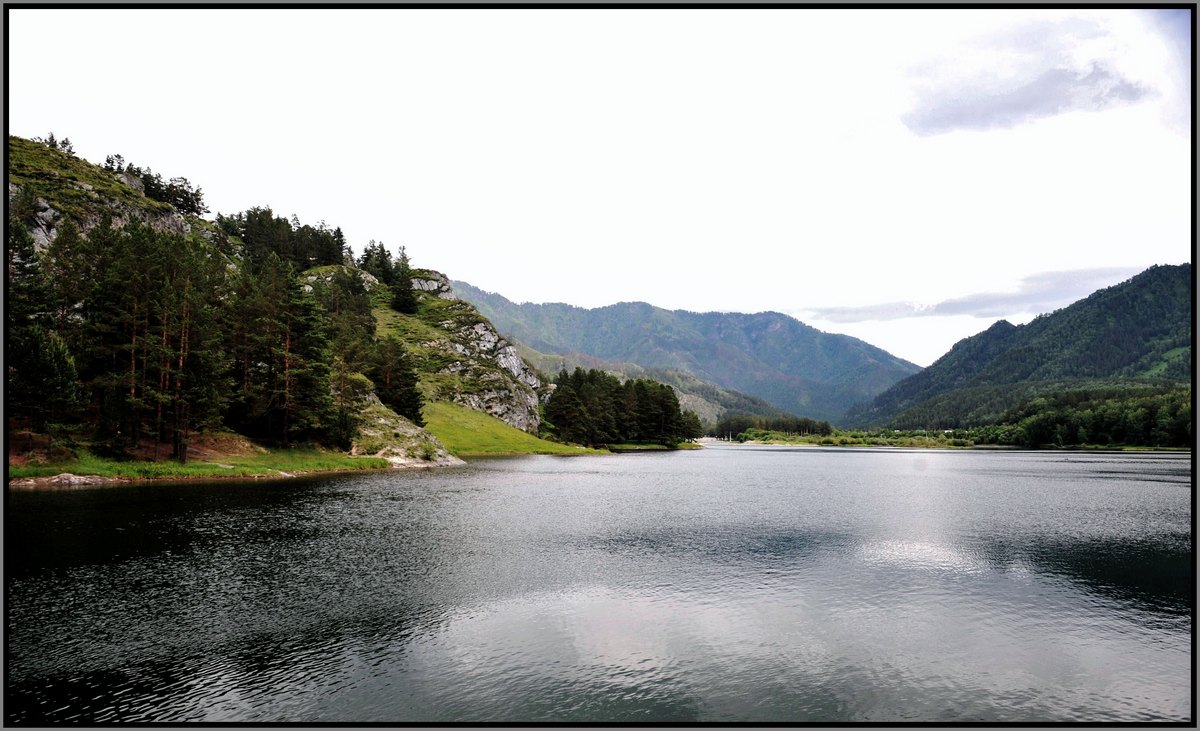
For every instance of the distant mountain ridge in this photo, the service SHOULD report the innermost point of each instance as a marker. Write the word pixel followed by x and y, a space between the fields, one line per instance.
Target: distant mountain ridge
pixel 794 367
pixel 1139 330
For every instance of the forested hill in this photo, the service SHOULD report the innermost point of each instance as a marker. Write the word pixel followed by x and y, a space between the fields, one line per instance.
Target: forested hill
pixel 796 368
pixel 1135 333
pixel 133 324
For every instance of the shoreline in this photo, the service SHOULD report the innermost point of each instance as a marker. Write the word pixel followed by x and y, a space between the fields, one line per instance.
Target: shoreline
pixel 70 475
pixel 974 447
pixel 70 479
pixel 66 478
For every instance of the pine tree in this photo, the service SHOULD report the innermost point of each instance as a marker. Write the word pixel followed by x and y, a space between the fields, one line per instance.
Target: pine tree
pixel 564 411
pixel 345 255
pixel 70 267
pixel 41 380
pixel 281 356
pixel 404 299
pixel 30 296
pixel 191 370
pixel 692 428
pixel 395 380
pixel 376 260
pixel 42 384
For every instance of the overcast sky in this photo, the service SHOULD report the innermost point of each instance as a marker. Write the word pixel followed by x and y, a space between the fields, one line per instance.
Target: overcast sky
pixel 904 176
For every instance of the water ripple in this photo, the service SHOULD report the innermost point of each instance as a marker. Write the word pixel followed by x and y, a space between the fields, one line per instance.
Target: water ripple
pixel 740 586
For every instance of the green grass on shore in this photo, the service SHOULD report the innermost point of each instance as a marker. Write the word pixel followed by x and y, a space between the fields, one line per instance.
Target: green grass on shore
pixel 468 433
pixel 653 447
pixel 292 461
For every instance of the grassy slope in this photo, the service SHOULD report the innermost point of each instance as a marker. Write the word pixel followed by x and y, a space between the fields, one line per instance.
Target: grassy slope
pixel 427 336
pixel 468 433
pixel 63 180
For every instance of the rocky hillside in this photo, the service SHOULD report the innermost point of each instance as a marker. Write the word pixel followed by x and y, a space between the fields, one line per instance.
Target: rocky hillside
pixel 461 358
pixel 457 355
pixel 48 186
pixel 794 367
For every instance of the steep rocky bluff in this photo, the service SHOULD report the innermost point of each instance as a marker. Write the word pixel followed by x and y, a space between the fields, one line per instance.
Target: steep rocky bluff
pixel 49 219
pixel 461 358
pixel 456 352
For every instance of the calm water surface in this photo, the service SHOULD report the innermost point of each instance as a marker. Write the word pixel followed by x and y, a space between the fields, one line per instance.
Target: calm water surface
pixel 729 584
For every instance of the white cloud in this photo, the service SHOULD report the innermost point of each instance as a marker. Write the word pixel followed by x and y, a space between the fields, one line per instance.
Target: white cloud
pixel 1037 68
pixel 1040 292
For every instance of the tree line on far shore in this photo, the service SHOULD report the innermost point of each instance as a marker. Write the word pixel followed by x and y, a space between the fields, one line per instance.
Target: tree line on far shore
pixel 596 409
pixel 732 425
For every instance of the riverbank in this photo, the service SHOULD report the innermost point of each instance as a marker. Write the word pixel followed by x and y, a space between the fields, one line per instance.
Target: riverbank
pixel 33 460
pixel 987 437
pixel 938 444
pixel 466 434
pixel 620 448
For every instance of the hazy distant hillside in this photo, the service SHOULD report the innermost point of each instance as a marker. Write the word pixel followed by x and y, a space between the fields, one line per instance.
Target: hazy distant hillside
pixel 796 368
pixel 1138 330
pixel 708 401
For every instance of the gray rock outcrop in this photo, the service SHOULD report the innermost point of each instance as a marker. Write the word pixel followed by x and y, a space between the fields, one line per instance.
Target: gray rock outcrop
pixel 47 219
pixel 507 387
pixel 384 433
pixel 492 375
pixel 434 282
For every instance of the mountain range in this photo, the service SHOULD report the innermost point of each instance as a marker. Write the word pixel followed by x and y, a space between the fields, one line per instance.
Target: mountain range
pixel 1138 331
pixel 792 366
pixel 1132 337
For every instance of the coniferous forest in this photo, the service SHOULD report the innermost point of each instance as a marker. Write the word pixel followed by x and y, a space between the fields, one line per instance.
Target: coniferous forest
pixel 596 409
pixel 133 336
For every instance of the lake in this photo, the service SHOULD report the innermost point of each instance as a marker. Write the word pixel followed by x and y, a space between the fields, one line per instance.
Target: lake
pixel 734 583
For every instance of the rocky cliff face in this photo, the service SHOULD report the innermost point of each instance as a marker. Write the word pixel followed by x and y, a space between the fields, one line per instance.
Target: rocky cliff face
pixel 458 355
pixel 461 357
pixel 47 186
pixel 46 219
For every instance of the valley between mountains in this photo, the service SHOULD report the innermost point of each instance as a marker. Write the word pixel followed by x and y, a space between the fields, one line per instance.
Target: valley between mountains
pixel 149 340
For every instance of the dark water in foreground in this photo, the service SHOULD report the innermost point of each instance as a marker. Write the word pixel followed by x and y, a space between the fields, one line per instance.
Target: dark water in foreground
pixel 730 584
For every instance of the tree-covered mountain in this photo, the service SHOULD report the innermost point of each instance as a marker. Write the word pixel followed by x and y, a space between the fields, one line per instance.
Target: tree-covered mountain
pixel 134 324
pixel 1136 332
pixel 793 366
